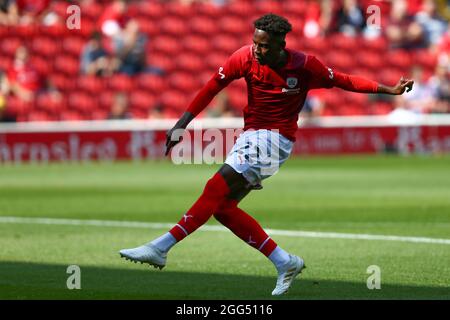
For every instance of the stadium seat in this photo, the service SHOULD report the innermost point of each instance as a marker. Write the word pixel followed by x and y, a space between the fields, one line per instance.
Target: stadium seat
pixel 82 102
pixel 184 81
pixel 120 82
pixel 43 66
pixel 9 45
pixel 71 115
pixel 399 59
pixel 196 44
pixel 189 62
pixel 73 45
pixel 62 82
pixel 45 46
pixel 90 84
pixel 150 82
pixel 173 25
pixel 142 100
pixel 67 64
pixel 39 116
pixel 174 100
pixel 169 45
pixel 203 25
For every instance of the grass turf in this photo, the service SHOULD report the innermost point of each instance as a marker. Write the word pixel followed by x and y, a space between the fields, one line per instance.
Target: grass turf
pixel 377 195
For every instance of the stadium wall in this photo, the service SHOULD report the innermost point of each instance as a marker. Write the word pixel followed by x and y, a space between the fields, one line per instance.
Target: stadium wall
pixel 208 140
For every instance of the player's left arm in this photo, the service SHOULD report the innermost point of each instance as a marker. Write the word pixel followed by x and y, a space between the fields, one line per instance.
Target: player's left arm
pixel 324 77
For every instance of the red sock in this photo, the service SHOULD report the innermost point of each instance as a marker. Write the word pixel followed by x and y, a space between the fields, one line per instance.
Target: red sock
pixel 244 226
pixel 213 195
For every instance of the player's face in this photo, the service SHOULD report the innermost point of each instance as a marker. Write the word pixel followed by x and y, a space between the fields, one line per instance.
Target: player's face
pixel 266 48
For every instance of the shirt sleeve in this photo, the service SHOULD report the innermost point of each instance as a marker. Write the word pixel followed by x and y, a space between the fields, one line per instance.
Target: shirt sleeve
pixel 324 77
pixel 234 68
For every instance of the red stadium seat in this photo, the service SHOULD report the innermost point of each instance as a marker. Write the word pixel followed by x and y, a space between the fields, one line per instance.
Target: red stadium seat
pixel 71 115
pixel 189 62
pixel 184 81
pixel 67 64
pixel 50 103
pixel 8 46
pixel 99 114
pixel 45 46
pixel 150 82
pixel 43 66
pixel 148 26
pixel 62 82
pixel 5 62
pixel 346 43
pixel 203 25
pixel 339 60
pixel 82 102
pixel 371 60
pixel 234 25
pixel 161 60
pixel 294 7
pixel 106 99
pixel 152 9
pixel 224 43
pixel 73 45
pixel 173 26
pixel 91 84
pixel 174 100
pixel 240 8
pixel 399 59
pixel 39 116
pixel 120 82
pixel 166 44
pixel 196 44
pixel 142 100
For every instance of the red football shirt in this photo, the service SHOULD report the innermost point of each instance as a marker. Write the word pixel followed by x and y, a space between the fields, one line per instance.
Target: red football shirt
pixel 276 97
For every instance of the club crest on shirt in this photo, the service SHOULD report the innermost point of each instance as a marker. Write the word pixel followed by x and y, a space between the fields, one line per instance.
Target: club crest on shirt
pixel 291 82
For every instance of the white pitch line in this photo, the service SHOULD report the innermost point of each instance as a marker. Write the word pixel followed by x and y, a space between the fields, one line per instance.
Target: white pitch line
pixel 287 233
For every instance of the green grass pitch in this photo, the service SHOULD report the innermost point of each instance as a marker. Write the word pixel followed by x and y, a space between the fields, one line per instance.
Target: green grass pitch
pixel 382 195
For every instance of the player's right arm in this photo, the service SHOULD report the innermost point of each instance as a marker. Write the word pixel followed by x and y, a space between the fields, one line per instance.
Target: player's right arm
pixel 235 67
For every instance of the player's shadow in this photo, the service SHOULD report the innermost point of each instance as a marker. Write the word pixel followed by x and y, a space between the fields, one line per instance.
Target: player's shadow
pixel 20 280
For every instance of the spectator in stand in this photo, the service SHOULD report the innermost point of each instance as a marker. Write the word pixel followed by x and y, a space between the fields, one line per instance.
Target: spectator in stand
pixel 119 108
pixel 313 107
pixel 350 18
pixel 440 84
pixel 23 80
pixel 94 58
pixel 9 15
pixel 421 99
pixel 318 18
pixel 127 44
pixel 156 112
pixel 36 12
pixel 402 31
pixel 129 48
pixel 433 25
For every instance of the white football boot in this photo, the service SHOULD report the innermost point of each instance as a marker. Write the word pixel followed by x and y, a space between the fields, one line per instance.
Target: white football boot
pixel 147 253
pixel 286 275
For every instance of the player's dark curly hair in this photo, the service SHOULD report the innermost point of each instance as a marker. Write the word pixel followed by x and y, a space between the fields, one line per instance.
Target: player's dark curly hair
pixel 273 24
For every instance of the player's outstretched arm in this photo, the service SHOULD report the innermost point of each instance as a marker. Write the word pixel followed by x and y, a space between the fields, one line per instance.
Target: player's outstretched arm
pixel 401 86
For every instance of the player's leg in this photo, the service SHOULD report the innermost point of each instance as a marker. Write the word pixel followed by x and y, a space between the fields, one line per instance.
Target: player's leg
pixel 217 189
pixel 249 230
pixel 246 227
